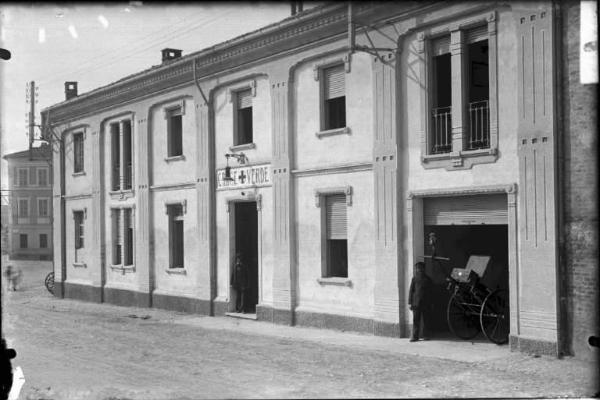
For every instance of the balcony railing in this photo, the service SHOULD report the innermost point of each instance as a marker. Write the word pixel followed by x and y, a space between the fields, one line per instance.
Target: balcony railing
pixel 479 125
pixel 441 134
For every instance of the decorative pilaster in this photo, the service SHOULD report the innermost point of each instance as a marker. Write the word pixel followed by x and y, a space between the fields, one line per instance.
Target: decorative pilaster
pixel 97 211
pixel 388 290
pixel 283 272
pixel 142 216
pixel 457 52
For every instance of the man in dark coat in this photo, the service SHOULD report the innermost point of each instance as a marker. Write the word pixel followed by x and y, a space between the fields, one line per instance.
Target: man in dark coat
pixel 239 281
pixel 418 300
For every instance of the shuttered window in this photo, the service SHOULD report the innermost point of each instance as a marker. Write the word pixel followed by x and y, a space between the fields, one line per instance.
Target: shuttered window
pixel 42 207
pixel 79 232
pixel 336 241
pixel 116 236
pixel 32 177
pixel 336 216
pixel 174 132
pixel 78 152
pixel 243 118
pixel 176 239
pixel 42 174
pixel 23 208
pixel 476 34
pixel 334 97
pixel 128 245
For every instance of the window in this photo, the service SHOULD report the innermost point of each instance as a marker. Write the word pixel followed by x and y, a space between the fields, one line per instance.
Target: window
pixel 459 67
pixel 78 217
pixel 336 239
pixel 243 118
pixel 23 241
pixel 42 174
pixel 333 105
pixel 23 208
pixel 78 152
pixel 174 132
pixel 43 207
pixel 23 178
pixel 175 212
pixel 43 241
pixel 121 155
pixel 122 236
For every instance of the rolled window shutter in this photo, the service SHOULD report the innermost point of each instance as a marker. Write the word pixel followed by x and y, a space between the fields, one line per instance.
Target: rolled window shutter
pixel 440 45
pixel 244 99
pixel 336 216
pixel 476 34
pixel 335 82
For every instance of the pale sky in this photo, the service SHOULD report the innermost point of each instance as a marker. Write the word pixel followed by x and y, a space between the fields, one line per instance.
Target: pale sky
pixel 99 44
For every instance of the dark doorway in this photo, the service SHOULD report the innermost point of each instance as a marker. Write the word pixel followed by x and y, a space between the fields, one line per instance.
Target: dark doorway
pixel 458 242
pixel 246 243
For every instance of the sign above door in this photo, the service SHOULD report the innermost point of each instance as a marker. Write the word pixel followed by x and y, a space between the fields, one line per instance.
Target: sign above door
pixel 245 176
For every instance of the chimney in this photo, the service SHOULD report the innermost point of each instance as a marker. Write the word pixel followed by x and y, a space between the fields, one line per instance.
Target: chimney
pixel 170 54
pixel 296 7
pixel 70 90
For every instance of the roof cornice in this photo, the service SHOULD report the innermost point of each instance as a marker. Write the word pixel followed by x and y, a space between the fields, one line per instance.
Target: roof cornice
pixel 305 28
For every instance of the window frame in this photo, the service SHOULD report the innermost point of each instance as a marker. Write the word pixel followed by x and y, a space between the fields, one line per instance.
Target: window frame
pixel 119 230
pixel 171 111
pixel 47 200
pixel 118 181
pixel 459 157
pixel 18 181
pixel 78 166
pixel 21 236
pixel 19 208
pixel 47 173
pixel 171 219
pixel 318 70
pixel 236 116
pixel 320 202
pixel 45 235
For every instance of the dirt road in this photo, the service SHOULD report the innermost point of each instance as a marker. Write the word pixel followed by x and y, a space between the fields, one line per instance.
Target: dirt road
pixel 75 350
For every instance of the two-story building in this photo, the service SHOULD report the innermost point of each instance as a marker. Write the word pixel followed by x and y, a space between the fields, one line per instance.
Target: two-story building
pixel 325 150
pixel 30 194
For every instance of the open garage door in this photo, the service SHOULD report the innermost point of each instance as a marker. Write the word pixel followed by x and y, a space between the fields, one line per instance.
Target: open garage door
pixel 466 210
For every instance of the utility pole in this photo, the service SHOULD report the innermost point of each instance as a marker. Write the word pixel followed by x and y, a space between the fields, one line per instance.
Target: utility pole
pixel 31 97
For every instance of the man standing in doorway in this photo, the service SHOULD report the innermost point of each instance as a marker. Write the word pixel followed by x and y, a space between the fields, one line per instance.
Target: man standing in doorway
pixel 418 301
pixel 239 281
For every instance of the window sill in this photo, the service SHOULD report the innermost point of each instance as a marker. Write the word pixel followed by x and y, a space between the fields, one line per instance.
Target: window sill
pixel 175 158
pixel 123 268
pixel 79 173
pixel 79 265
pixel 464 159
pixel 245 146
pixel 176 271
pixel 331 132
pixel 121 194
pixel 333 281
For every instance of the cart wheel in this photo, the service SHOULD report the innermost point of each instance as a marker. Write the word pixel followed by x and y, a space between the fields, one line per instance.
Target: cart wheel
pixel 49 282
pixel 495 316
pixel 462 319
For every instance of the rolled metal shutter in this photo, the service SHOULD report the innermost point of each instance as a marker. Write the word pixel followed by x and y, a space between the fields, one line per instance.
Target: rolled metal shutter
pixel 244 99
pixel 334 82
pixel 476 34
pixel 440 45
pixel 335 206
pixel 466 210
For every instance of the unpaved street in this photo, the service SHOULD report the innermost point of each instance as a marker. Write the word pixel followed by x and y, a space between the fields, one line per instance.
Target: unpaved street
pixel 74 350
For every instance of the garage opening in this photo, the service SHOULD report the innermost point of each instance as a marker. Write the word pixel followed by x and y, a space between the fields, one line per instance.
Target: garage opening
pixel 464 226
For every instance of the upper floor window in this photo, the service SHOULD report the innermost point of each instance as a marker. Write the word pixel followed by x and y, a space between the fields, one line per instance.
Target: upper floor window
pixel 23 208
pixel 22 177
pixel 78 152
pixel 121 155
pixel 243 117
pixel 460 72
pixel 42 175
pixel 174 132
pixel 43 209
pixel 333 103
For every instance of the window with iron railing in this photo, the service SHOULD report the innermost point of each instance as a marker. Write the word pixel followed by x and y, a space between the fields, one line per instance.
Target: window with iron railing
pixel 441 130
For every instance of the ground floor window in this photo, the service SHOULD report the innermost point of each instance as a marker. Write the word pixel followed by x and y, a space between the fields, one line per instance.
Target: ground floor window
pixel 336 241
pixel 43 241
pixel 175 212
pixel 122 236
pixel 23 241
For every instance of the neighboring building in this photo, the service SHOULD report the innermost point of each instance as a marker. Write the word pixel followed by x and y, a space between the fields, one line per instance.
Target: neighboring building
pixel 451 121
pixel 30 193
pixel 5 208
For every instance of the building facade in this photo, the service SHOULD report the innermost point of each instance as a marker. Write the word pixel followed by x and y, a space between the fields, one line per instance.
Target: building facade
pixel 326 159
pixel 30 204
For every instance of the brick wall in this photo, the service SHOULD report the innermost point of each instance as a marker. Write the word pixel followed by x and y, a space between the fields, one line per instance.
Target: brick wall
pixel 580 194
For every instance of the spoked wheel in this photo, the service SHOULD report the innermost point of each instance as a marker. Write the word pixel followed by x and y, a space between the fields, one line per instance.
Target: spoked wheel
pixel 495 316
pixel 462 318
pixel 49 282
